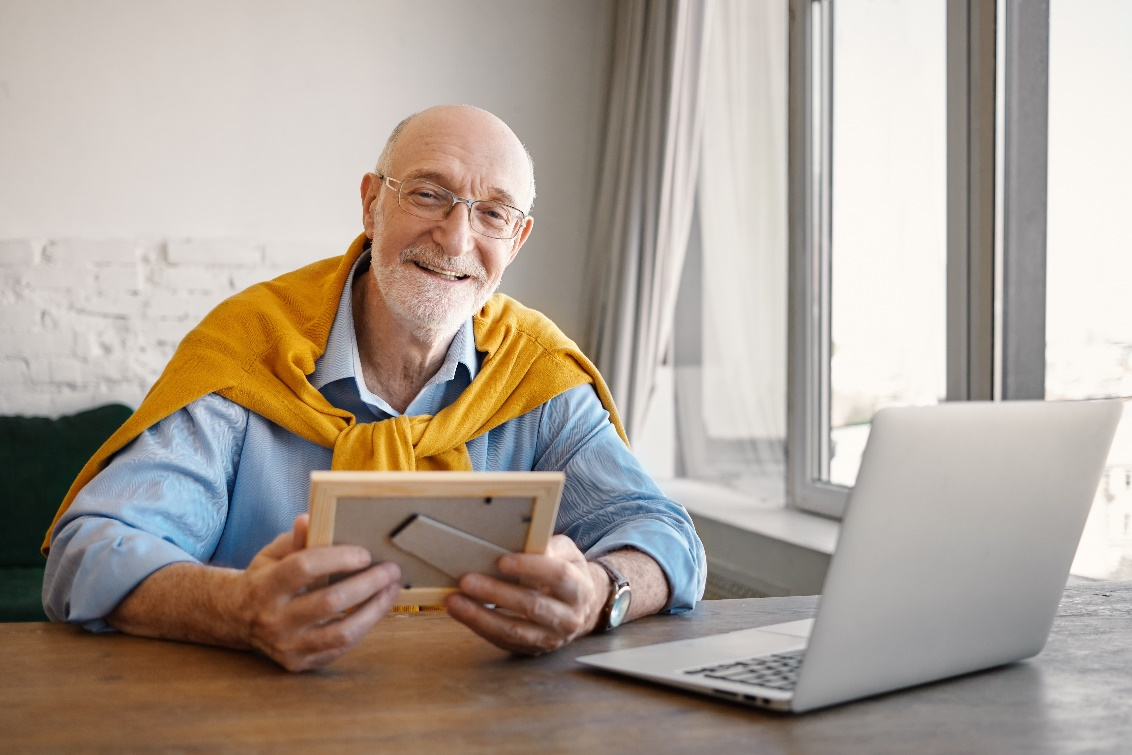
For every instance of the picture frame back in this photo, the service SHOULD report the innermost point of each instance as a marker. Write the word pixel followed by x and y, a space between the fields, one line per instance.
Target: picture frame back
pixel 508 511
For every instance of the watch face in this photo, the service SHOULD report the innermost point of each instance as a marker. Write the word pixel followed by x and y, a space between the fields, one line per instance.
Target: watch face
pixel 620 607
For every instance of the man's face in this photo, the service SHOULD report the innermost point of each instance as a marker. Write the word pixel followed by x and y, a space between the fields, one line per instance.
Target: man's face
pixel 434 274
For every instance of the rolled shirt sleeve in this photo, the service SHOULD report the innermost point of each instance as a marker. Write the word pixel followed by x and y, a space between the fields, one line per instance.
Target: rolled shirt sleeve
pixel 162 500
pixel 610 502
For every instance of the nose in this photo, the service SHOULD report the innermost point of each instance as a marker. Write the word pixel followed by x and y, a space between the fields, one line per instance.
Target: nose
pixel 454 233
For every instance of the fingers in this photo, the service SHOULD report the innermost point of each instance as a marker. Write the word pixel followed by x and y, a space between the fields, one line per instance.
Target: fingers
pixel 312 629
pixel 325 603
pixel 556 572
pixel 551 575
pixel 288 542
pixel 534 605
pixel 277 549
pixel 551 606
pixel 325 643
pixel 561 546
pixel 299 621
pixel 301 569
pixel 300 530
pixel 513 634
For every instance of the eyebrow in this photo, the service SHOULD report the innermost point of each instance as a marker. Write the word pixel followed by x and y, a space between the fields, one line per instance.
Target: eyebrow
pixel 496 193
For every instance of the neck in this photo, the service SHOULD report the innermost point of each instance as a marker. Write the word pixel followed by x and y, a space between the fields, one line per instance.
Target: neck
pixel 396 361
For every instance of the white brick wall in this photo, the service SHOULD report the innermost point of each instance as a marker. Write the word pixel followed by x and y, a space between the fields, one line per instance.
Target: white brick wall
pixel 86 322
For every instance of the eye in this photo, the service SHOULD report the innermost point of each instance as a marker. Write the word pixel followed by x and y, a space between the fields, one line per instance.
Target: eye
pixel 494 214
pixel 424 194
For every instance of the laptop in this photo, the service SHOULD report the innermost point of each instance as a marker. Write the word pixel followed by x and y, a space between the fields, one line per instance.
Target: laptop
pixel 953 553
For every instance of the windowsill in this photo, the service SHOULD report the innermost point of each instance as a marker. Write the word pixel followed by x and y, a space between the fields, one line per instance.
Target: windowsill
pixel 764 516
pixel 755 545
pixel 758 543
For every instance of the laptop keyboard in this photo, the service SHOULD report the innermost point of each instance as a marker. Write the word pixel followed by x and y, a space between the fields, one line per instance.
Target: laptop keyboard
pixel 777 671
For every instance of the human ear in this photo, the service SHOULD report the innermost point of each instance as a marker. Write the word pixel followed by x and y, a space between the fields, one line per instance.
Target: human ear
pixel 521 239
pixel 370 189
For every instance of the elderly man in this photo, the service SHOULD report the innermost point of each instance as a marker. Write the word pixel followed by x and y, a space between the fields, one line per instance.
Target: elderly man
pixel 396 355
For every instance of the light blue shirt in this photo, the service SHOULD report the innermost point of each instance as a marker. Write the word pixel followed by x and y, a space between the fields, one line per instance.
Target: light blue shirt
pixel 214 483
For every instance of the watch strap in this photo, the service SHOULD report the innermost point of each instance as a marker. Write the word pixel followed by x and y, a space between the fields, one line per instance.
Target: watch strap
pixel 614 574
pixel 620 583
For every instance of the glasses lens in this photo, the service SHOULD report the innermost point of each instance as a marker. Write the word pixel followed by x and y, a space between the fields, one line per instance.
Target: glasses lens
pixel 424 199
pixel 495 219
pixel 431 202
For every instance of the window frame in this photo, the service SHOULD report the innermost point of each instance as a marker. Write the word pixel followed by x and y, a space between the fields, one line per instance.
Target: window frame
pixel 989 356
pixel 807 360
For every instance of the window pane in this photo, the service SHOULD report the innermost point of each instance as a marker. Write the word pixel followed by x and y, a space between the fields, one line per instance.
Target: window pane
pixel 730 332
pixel 1089 255
pixel 888 227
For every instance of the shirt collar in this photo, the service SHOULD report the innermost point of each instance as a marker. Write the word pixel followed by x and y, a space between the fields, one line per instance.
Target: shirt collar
pixel 342 360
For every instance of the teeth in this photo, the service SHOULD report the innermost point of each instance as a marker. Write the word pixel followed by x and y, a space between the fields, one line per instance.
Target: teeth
pixel 442 273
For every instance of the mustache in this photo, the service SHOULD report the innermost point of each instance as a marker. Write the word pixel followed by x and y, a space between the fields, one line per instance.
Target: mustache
pixel 433 256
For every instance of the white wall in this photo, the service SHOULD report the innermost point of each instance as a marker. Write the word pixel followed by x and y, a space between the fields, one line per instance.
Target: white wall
pixel 156 156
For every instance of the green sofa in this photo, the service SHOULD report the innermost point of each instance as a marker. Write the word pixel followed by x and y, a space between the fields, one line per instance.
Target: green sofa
pixel 39 459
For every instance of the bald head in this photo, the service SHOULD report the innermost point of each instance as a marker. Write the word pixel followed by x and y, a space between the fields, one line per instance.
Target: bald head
pixel 494 141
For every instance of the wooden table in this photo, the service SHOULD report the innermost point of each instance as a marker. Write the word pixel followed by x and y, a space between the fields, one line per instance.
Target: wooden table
pixel 424 682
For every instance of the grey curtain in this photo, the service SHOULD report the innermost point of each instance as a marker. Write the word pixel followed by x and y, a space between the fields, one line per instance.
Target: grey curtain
pixel 646 193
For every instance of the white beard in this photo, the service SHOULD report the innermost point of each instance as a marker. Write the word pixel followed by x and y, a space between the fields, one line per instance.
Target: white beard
pixel 431 309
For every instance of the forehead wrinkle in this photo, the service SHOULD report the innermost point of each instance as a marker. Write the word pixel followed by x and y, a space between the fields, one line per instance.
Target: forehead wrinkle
pixel 495 193
pixel 483 147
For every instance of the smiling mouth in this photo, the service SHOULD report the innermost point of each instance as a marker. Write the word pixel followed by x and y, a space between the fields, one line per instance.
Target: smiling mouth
pixel 446 275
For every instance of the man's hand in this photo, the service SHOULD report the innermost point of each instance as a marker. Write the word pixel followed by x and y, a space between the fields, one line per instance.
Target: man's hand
pixel 303 628
pixel 561 598
pixel 274 606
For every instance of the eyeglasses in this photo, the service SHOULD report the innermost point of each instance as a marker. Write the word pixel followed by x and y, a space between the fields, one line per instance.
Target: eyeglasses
pixel 426 200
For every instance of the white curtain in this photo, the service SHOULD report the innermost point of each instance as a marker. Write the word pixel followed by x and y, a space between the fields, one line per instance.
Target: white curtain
pixel 743 218
pixel 646 193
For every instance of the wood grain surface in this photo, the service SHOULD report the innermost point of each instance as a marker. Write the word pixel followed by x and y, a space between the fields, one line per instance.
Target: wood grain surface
pixel 424 682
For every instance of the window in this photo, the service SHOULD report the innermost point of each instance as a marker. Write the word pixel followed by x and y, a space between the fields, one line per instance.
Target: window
pixel 869 229
pixel 730 334
pixel 1089 255
pixel 917 258
pixel 887 222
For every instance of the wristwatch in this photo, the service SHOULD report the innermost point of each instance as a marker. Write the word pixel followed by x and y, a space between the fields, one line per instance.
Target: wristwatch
pixel 617 604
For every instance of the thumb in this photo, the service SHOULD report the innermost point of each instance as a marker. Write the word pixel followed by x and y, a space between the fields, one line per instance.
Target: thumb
pixel 288 542
pixel 278 549
pixel 299 533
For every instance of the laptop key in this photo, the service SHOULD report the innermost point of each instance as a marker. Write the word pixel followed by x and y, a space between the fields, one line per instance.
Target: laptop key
pixel 777 671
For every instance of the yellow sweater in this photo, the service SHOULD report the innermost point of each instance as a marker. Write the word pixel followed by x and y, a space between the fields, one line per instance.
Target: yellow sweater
pixel 257 348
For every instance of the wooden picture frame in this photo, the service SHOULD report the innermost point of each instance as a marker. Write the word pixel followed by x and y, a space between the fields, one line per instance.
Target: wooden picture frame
pixel 467 515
